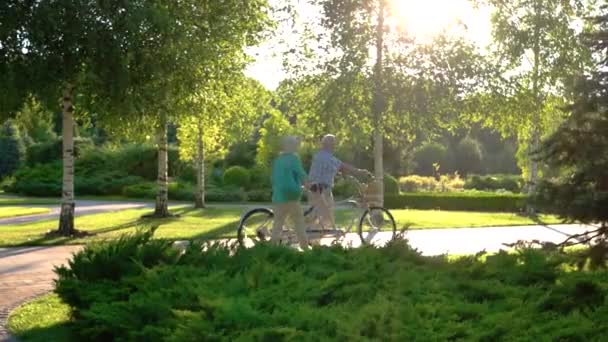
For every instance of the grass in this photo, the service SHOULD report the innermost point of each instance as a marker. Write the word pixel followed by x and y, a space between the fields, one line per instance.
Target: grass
pixel 42 320
pixel 14 200
pixel 214 223
pixel 21 211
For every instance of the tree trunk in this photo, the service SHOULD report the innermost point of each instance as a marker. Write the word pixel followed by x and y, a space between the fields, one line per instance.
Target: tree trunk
pixel 66 217
pixel 162 198
pixel 534 143
pixel 199 198
pixel 378 103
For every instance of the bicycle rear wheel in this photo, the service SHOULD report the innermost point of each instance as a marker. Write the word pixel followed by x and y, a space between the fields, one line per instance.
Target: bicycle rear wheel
pixel 255 226
pixel 377 227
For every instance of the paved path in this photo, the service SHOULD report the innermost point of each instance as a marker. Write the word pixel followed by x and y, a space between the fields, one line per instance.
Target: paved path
pixel 88 207
pixel 26 272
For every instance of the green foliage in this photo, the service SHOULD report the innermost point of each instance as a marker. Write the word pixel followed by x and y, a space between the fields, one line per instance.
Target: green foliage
pixel 445 183
pixel 429 155
pixel 138 289
pixel 274 128
pixel 41 180
pixel 469 201
pixel 510 183
pixel 260 177
pixel 576 151
pixel 51 151
pixel 467 157
pixel 391 185
pixel 12 149
pixel 241 154
pixel 237 176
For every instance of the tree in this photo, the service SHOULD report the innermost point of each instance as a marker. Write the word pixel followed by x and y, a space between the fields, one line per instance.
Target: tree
pixel 224 112
pixel 538 46
pixel 467 157
pixel 404 86
pixel 578 150
pixel 12 149
pixel 428 156
pixel 52 49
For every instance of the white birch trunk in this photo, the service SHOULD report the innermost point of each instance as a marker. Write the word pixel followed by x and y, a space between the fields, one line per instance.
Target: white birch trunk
pixel 199 198
pixel 378 105
pixel 66 217
pixel 162 198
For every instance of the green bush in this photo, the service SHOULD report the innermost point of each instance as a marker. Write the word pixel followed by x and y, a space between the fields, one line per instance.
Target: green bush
pixel 237 176
pixel 52 151
pixel 511 183
pixel 391 185
pixel 445 183
pixel 260 177
pixel 344 187
pixel 138 289
pixel 149 190
pixel 470 201
pixel 260 195
pixel 12 149
pixel 427 156
pixel 225 195
pixel 41 180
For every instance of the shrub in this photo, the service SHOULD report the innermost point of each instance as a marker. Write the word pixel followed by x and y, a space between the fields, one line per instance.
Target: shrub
pixel 344 187
pixel 138 289
pixel 12 149
pixel 237 176
pixel 226 195
pixel 511 183
pixel 52 151
pixel 260 177
pixel 427 156
pixel 149 190
pixel 467 157
pixel 260 195
pixel 391 185
pixel 470 201
pixel 415 183
pixel 42 180
pixel 445 183
pixel 146 190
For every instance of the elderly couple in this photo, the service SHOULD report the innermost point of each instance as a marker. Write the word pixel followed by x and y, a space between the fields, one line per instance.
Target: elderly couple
pixel 288 177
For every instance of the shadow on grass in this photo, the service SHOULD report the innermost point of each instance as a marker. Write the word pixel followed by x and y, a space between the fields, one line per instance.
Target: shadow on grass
pixel 44 239
pixel 56 332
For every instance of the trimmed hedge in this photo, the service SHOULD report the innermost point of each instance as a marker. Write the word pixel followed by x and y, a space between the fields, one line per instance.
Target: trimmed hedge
pixel 467 201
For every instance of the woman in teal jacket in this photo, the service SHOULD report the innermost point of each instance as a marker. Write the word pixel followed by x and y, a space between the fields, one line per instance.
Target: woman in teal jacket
pixel 288 177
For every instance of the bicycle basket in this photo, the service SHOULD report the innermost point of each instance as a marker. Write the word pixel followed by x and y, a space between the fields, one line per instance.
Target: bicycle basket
pixel 372 193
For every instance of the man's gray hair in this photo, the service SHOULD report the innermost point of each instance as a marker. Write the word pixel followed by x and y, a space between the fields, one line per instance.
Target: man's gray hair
pixel 328 138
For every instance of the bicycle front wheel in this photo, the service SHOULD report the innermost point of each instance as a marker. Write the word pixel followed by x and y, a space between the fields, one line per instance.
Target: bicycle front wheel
pixel 377 227
pixel 255 226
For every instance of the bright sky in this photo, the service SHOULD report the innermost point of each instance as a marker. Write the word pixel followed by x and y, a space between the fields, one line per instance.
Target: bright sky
pixel 422 18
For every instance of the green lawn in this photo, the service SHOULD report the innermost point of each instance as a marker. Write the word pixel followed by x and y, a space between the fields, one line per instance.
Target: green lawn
pixel 14 200
pixel 42 320
pixel 8 211
pixel 222 222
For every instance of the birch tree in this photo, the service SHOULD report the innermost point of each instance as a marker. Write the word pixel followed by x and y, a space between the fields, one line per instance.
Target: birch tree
pixel 538 52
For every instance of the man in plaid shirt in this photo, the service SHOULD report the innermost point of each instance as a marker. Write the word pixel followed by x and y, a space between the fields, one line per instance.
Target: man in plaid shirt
pixel 323 170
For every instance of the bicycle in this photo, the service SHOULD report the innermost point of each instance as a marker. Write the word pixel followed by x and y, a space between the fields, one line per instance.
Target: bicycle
pixel 375 224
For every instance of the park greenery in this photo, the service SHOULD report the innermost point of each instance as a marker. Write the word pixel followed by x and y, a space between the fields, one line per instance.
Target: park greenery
pixel 137 288
pixel 149 101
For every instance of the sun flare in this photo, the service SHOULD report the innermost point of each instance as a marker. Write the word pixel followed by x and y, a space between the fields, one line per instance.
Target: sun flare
pixel 426 18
